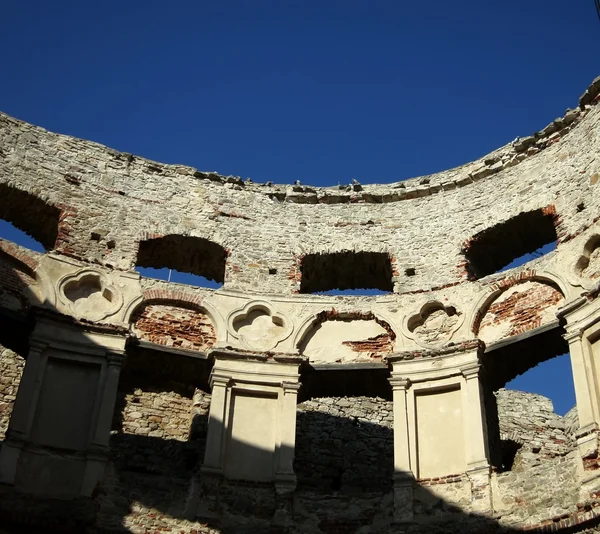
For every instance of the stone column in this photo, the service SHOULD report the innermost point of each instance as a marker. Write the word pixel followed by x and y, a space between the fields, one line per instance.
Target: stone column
pixel 285 478
pixel 403 471
pixel 22 415
pixel 476 431
pixel 99 445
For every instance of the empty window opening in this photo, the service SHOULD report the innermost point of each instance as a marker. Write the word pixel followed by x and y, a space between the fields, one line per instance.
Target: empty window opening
pixel 509 449
pixel 552 379
pixel 177 277
pixel 507 362
pixel 10 232
pixel 511 243
pixel 183 259
pixel 15 332
pixel 537 253
pixel 348 270
pixel 410 271
pixel 360 381
pixel 37 220
pixel 528 390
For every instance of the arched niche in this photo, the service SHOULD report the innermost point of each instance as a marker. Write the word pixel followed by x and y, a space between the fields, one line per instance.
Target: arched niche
pixel 174 323
pixel 345 337
pixel 518 307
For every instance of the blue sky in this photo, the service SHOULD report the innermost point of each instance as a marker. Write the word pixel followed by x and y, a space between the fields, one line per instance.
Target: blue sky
pixel 320 91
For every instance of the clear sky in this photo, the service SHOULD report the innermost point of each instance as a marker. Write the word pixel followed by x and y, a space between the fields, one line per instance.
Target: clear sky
pixel 320 91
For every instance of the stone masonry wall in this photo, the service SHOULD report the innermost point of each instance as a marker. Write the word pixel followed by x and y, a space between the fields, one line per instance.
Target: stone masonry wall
pixel 345 444
pixel 11 370
pixel 160 431
pixel 529 420
pixel 156 448
pixel 110 201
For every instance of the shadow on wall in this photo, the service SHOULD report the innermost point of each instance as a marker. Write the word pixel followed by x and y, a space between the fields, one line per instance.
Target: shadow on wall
pixel 136 498
pixel 153 484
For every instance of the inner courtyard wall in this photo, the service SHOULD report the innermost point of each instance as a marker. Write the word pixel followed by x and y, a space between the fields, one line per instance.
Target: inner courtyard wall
pixel 160 347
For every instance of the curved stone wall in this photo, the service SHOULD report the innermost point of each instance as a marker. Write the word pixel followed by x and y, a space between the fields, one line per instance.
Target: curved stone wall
pixel 449 331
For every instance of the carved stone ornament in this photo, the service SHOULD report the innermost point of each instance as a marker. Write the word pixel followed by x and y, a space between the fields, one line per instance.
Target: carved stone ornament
pixel 433 325
pixel 258 326
pixel 89 294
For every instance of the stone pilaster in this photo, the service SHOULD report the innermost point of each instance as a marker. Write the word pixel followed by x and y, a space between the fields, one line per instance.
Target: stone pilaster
pixel 582 328
pixel 57 442
pixel 252 424
pixel 403 474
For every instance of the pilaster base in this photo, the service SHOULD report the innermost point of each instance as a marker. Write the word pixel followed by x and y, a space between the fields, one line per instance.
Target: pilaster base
pixel 481 489
pixel 403 498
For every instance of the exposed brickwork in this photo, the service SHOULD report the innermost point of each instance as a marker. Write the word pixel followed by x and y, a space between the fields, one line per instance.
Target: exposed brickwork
pixel 174 326
pixel 102 204
pixel 522 308
pixel 173 296
pixel 376 346
pixel 20 254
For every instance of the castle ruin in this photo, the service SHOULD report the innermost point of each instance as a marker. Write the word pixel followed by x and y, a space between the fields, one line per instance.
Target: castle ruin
pixel 130 404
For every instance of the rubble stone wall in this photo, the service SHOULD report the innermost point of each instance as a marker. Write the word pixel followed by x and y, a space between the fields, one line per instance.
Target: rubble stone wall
pixel 345 444
pixel 94 208
pixel 529 420
pixel 11 370
pixel 157 431
pixel 110 201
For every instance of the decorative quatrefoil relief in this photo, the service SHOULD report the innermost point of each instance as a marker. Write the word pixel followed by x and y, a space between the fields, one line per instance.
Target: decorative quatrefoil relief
pixel 89 294
pixel 258 327
pixel 434 324
pixel 588 264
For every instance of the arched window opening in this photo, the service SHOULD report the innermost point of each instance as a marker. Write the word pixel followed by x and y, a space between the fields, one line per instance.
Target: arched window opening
pixel 182 259
pixel 359 272
pixel 511 243
pixel 529 399
pixel 36 220
pixel 553 379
